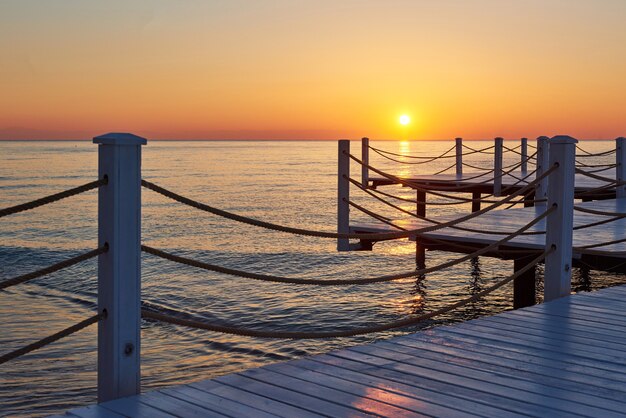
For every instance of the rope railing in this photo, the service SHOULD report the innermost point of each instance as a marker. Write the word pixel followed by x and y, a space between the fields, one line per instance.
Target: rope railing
pixel 52 198
pixel 430 158
pixel 335 235
pixel 458 200
pixel 589 154
pixel 426 160
pixel 413 185
pixel 52 338
pixel 476 151
pixel 595 176
pixel 54 267
pixel 424 218
pixel 598 212
pixel 335 282
pixel 413 320
pixel 581 164
pixel 444 170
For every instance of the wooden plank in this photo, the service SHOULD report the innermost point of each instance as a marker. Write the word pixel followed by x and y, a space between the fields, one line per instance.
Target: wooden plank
pixel 581 345
pixel 287 396
pixel 385 402
pixel 564 371
pixel 93 411
pixel 340 396
pixel 503 384
pixel 500 397
pixel 430 398
pixel 609 398
pixel 531 352
pixel 176 406
pixel 252 399
pixel 211 401
pixel 131 406
pixel 615 358
pixel 365 365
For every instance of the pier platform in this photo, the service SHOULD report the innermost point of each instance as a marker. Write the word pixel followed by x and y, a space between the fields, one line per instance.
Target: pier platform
pixel 608 257
pixel 470 183
pixel 562 358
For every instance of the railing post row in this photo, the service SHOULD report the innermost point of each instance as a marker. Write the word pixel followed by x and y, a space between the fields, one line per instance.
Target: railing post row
pixel 524 156
pixel 620 168
pixel 119 269
pixel 343 194
pixel 365 157
pixel 543 160
pixel 497 167
pixel 559 224
pixel 459 155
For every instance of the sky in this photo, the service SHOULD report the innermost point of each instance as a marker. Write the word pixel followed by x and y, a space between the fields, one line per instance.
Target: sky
pixel 183 69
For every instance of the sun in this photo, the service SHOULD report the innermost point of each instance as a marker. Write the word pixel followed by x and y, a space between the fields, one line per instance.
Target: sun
pixel 405 120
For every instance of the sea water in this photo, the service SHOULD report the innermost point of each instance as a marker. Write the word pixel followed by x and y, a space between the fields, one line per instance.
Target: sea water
pixel 291 183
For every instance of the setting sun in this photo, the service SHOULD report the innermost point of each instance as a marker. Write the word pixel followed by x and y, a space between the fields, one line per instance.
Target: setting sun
pixel 405 120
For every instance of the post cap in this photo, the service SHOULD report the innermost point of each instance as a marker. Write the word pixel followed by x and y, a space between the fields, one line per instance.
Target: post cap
pixel 458 139
pixel 543 138
pixel 563 139
pixel 499 138
pixel 119 138
pixel 621 138
pixel 524 139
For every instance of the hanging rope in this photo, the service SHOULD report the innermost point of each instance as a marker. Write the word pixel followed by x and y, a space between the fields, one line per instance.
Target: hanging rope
pixel 335 282
pixel 444 170
pixel 234 330
pixel 424 218
pixel 426 159
pixel 52 198
pixel 55 267
pixel 476 151
pixel 52 338
pixel 589 154
pixel 416 186
pixel 320 234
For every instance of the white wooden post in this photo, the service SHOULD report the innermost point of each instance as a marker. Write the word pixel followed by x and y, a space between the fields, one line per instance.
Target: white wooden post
pixel 459 156
pixel 119 269
pixel 620 168
pixel 543 160
pixel 559 224
pixel 497 165
pixel 524 156
pixel 365 157
pixel 343 194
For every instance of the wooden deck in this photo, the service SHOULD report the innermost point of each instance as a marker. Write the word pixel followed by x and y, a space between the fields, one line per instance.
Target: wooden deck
pixel 563 358
pixel 484 184
pixel 513 219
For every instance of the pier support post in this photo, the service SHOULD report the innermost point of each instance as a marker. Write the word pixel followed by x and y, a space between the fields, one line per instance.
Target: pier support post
pixel 620 168
pixel 543 160
pixel 420 250
pixel 559 224
pixel 524 285
pixel 119 269
pixel 365 157
pixel 524 156
pixel 343 194
pixel 476 201
pixel 497 166
pixel 459 155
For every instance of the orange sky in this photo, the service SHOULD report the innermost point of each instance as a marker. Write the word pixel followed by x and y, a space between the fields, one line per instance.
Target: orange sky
pixel 312 69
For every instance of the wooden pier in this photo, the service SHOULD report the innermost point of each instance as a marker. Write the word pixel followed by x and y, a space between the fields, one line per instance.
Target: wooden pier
pixel 562 358
pixel 606 257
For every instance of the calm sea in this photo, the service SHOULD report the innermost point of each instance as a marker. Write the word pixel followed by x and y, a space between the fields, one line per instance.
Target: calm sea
pixel 290 183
